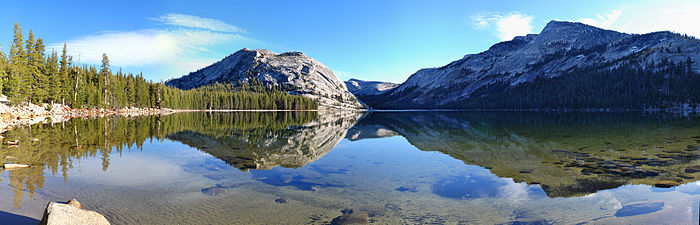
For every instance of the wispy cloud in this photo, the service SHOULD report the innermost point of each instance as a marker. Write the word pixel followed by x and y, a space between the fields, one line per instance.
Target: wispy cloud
pixel 343 75
pixel 182 20
pixel 504 26
pixel 678 16
pixel 604 21
pixel 177 44
pixel 674 15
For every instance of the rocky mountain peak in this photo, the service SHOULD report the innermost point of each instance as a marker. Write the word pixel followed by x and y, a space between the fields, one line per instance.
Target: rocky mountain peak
pixel 297 72
pixel 560 48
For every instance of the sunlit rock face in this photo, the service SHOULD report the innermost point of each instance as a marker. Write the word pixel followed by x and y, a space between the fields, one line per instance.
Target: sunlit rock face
pixel 559 48
pixel 263 148
pixel 566 154
pixel 296 72
pixel 368 89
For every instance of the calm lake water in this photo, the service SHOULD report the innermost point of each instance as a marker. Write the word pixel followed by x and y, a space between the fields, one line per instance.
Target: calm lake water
pixel 398 167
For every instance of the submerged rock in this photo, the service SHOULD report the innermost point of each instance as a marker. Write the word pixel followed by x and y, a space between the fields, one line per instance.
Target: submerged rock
pixel 351 216
pixel 639 208
pixel 71 213
pixel 407 188
pixel 692 169
pixel 214 191
pixel 460 187
pixel 666 184
pixel 282 200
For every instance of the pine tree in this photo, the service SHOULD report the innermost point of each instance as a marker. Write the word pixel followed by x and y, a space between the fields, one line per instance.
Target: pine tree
pixel 104 79
pixel 35 80
pixel 17 67
pixel 62 74
pixel 53 77
pixel 3 68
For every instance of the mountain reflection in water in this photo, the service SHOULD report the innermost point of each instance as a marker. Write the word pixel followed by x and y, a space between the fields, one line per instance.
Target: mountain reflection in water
pixel 541 155
pixel 568 154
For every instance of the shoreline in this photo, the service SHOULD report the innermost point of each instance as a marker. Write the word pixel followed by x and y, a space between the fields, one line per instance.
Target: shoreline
pixel 29 114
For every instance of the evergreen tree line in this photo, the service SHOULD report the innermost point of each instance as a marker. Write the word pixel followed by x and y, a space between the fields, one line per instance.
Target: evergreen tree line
pixel 29 74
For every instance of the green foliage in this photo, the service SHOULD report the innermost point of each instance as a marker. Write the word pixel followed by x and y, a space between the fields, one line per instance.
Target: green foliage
pixel 29 75
pixel 234 97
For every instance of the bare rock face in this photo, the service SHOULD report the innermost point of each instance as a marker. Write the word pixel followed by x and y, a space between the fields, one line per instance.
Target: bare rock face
pixel 69 214
pixel 558 49
pixel 361 87
pixel 298 73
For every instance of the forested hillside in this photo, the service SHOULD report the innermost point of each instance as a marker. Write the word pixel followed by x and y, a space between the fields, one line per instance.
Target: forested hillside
pixel 29 74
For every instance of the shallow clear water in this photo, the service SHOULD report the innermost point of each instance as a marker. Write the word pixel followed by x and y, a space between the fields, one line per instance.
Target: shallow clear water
pixel 398 167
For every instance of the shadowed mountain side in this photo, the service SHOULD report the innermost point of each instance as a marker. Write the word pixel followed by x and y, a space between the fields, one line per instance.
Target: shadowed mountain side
pixel 567 154
pixel 291 148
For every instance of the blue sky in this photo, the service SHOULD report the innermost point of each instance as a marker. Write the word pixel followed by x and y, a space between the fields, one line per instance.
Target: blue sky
pixel 370 40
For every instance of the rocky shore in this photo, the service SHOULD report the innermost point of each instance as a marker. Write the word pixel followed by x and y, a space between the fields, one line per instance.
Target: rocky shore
pixel 27 114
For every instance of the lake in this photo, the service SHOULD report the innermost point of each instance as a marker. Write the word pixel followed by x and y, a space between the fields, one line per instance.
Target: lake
pixel 397 167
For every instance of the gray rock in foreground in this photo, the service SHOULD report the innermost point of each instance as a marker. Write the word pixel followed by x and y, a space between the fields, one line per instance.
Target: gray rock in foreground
pixel 65 214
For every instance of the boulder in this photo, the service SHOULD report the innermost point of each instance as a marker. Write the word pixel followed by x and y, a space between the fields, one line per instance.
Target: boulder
pixel 71 213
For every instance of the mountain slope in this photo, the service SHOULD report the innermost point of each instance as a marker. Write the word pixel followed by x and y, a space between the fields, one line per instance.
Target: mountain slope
pixel 367 89
pixel 293 71
pixel 495 78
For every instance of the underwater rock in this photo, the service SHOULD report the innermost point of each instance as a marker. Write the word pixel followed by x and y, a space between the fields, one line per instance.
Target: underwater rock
pixel 470 187
pixel 407 188
pixel 639 208
pixel 692 169
pixel 666 184
pixel 282 200
pixel 351 216
pixel 535 222
pixel 60 214
pixel 214 191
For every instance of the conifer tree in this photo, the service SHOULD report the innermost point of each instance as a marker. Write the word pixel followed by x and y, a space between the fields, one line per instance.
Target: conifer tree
pixel 53 77
pixel 104 79
pixel 17 66
pixel 3 68
pixel 62 74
